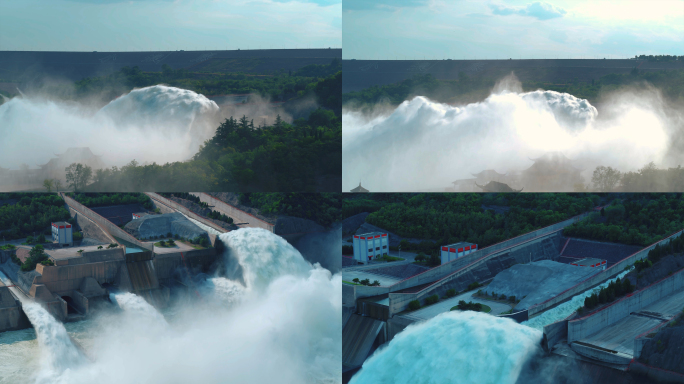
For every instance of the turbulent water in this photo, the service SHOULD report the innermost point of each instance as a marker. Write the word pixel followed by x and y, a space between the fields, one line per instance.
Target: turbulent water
pixel 280 322
pixel 425 144
pixel 564 310
pixel 58 352
pixel 152 124
pixel 454 347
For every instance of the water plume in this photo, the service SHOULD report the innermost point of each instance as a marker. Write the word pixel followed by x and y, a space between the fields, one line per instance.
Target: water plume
pixel 468 347
pixel 152 124
pixel 284 327
pixel 422 144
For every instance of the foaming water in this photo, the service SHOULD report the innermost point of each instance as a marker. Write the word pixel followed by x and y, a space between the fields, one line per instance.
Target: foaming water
pixel 283 324
pixel 143 125
pixel 566 309
pixel 467 347
pixel 137 306
pixel 424 144
pixel 58 352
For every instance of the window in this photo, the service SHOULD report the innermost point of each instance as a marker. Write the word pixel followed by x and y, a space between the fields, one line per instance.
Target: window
pixel 370 250
pixel 377 248
pixel 384 247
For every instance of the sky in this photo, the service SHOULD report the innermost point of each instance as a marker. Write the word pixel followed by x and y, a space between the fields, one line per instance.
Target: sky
pixel 498 29
pixel 157 25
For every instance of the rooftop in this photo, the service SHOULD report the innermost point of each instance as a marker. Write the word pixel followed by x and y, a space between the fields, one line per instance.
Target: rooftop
pixel 71 252
pixel 371 234
pixel 459 244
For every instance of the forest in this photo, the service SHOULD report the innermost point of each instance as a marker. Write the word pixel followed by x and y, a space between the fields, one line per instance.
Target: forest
pixel 279 87
pixel 636 219
pixel 649 178
pixel 483 219
pixel 26 214
pixel 240 157
pixel 323 208
pixel 92 200
pixel 476 88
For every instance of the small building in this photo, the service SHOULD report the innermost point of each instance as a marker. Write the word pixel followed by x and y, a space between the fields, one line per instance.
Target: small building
pixel 359 189
pixel 454 251
pixel 591 263
pixel 138 215
pixel 369 246
pixel 62 233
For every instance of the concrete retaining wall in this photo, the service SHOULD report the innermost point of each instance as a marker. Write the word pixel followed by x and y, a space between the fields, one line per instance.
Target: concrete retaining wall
pixel 238 215
pixel 588 325
pixel 89 228
pixel 396 325
pixel 64 279
pixel 169 206
pixel 455 265
pixel 105 224
pixel 169 264
pixel 555 332
pixel 599 278
pixel 348 294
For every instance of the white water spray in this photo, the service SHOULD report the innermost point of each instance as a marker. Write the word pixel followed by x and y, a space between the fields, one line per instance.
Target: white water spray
pixel 136 305
pixel 153 124
pixel 59 354
pixel 462 347
pixel 566 309
pixel 286 327
pixel 423 144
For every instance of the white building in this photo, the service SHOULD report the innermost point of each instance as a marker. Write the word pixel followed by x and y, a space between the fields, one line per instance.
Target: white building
pixel 369 246
pixel 454 251
pixel 62 233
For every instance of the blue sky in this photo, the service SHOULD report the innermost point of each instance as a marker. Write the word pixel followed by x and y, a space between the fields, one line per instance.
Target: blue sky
pixel 117 25
pixel 500 29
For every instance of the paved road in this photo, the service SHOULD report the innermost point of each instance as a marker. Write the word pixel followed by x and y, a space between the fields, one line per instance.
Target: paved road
pixel 446 305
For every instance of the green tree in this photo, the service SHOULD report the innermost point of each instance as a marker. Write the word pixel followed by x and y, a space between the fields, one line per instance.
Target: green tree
pixel 78 176
pixel 48 184
pixel 605 179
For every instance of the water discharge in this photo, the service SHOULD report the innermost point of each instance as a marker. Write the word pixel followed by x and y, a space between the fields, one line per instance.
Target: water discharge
pixel 58 352
pixel 137 306
pixel 152 124
pixel 422 144
pixel 564 310
pixel 453 347
pixel 284 327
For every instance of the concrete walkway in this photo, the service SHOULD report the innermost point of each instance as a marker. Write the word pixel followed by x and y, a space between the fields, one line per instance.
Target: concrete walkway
pixel 384 280
pixel 446 305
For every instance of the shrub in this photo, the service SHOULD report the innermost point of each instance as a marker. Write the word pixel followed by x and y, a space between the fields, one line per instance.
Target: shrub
pixel 502 297
pixel 100 247
pixel 169 235
pixel 29 239
pixel 41 239
pixel 47 262
pixel 162 243
pixel 171 243
pixel 431 299
pixel 511 299
pixel 473 285
pixel 356 280
pixel 176 236
pixel 365 282
pixel 413 305
pixel 78 236
pixel 112 245
pixel 375 283
pixel 469 306
pixel 451 293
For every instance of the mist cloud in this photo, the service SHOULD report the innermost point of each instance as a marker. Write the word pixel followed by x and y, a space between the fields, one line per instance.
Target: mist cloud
pixel 423 144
